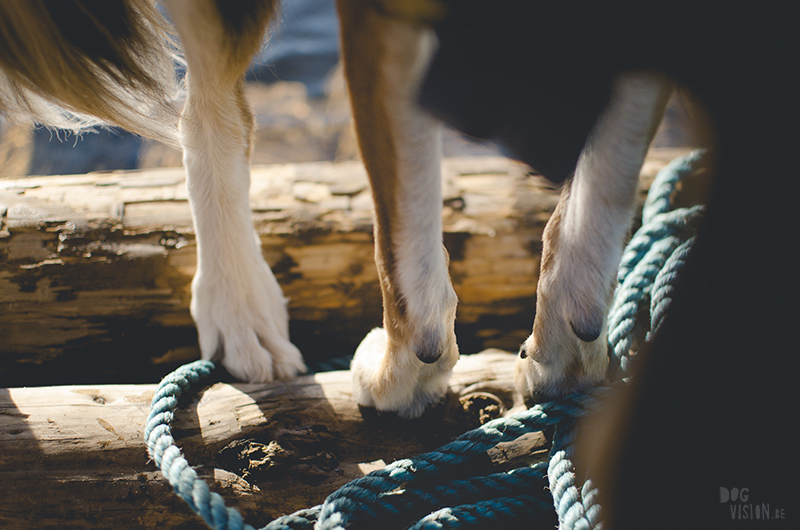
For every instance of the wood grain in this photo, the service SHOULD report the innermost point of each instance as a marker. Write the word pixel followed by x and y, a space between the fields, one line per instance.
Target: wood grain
pixel 74 457
pixel 95 269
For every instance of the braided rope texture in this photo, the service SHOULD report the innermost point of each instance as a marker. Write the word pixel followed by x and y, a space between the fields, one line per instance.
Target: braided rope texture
pixel 402 494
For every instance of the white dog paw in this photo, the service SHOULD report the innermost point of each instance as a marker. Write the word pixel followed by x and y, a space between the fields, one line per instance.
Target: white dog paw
pixel 245 322
pixel 391 378
pixel 556 360
pixel 568 349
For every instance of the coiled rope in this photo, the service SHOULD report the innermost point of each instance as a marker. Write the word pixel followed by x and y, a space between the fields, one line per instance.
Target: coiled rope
pixel 647 275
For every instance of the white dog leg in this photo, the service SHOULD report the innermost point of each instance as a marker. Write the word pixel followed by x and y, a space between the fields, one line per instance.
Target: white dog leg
pixel 237 304
pixel 405 367
pixel 583 244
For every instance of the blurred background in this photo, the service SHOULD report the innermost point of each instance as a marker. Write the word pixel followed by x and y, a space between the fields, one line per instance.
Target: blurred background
pixel 299 101
pixel 298 98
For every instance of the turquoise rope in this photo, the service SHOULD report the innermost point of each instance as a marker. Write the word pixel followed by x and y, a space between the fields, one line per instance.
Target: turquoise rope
pixel 162 449
pixel 659 196
pixel 647 276
pixel 664 284
pixel 648 271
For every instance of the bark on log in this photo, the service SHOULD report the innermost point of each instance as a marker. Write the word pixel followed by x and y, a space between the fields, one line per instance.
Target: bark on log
pixel 73 456
pixel 95 269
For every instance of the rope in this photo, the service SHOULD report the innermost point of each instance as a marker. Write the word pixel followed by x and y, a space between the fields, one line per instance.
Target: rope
pixel 645 258
pixel 664 284
pixel 647 274
pixel 404 492
pixel 374 492
pixel 162 449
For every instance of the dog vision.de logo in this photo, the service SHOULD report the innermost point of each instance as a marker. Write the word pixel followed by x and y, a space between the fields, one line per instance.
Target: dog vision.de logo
pixel 742 507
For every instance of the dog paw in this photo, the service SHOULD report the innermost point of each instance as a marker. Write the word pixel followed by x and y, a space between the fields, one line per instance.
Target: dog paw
pixel 543 381
pixel 564 354
pixel 242 319
pixel 393 377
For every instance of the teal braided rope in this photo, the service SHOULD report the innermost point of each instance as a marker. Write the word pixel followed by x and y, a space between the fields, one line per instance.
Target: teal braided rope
pixel 487 514
pixel 664 284
pixel 409 504
pixel 577 508
pixel 367 494
pixel 472 502
pixel 679 223
pixel 659 202
pixel 162 449
pixel 174 467
pixel 662 232
pixel 634 290
pixel 648 271
pixel 300 520
pixel 660 194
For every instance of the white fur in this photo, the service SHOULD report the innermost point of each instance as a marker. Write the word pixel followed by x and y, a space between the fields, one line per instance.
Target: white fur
pixel 596 217
pixel 236 301
pixel 151 117
pixel 394 379
pixel 237 304
pixel 387 374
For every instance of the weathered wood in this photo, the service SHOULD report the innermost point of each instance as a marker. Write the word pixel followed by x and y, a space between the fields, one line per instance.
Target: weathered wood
pixel 95 269
pixel 74 457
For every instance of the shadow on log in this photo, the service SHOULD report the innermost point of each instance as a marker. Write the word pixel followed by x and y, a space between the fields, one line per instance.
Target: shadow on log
pixel 73 456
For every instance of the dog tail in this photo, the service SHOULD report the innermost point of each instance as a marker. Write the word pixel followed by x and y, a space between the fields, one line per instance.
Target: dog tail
pixel 78 63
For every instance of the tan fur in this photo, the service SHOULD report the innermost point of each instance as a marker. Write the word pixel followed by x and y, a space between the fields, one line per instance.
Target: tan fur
pixel 383 59
pixel 40 63
pixel 583 243
pixel 230 49
pixel 552 336
pixel 363 53
pixel 223 70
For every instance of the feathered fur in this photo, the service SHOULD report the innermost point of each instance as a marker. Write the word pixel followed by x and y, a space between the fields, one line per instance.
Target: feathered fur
pixel 77 63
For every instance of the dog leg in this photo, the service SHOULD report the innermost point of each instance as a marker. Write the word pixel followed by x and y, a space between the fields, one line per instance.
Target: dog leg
pixel 583 243
pixel 404 367
pixel 237 304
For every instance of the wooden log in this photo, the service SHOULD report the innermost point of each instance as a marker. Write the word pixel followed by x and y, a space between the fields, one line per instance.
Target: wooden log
pixel 95 269
pixel 74 457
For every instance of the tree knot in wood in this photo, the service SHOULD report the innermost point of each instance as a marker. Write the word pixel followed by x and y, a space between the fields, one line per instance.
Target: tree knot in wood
pixel 308 453
pixel 478 408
